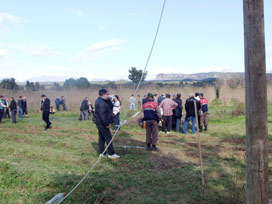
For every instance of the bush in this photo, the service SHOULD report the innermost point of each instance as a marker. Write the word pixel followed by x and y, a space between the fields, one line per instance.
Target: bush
pixel 238 109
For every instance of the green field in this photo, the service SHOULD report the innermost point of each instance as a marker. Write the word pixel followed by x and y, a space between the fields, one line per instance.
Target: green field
pixel 36 164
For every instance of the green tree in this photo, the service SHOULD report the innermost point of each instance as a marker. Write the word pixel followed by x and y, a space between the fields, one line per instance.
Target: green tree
pixel 82 83
pixel 70 83
pixel 31 86
pixel 9 84
pixel 56 86
pixel 136 74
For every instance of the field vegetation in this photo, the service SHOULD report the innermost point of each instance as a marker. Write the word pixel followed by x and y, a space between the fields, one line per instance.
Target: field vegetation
pixel 36 164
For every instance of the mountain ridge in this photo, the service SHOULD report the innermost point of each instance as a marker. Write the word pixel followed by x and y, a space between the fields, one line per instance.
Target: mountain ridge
pixel 199 76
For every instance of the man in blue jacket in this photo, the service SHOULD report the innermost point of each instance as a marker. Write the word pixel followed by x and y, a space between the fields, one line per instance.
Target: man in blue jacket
pixel 103 117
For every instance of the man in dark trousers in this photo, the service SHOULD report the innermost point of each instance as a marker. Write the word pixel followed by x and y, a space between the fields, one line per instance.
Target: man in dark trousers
pixel 2 106
pixel 13 109
pixel 57 102
pixel 204 113
pixel 103 117
pixel 167 106
pixel 24 103
pixel 177 112
pixel 45 108
pixel 152 116
pixel 190 113
pixel 20 105
pixel 84 109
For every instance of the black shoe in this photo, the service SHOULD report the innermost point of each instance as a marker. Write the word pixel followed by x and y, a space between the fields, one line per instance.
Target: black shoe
pixel 148 147
pixel 154 148
pixel 206 128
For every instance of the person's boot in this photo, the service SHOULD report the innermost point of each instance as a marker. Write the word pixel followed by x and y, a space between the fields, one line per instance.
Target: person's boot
pixel 200 129
pixel 154 148
pixel 206 128
pixel 148 147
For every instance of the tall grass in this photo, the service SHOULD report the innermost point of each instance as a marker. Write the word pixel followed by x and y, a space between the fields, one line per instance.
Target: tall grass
pixel 75 96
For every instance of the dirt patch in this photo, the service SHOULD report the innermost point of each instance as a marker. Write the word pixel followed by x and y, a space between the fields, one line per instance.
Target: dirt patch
pixel 163 162
pixel 131 142
pixel 236 140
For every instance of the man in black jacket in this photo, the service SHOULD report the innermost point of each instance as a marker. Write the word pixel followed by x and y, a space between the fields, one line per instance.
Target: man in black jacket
pixel 24 105
pixel 103 117
pixel 177 112
pixel 13 109
pixel 84 110
pixel 190 113
pixel 45 108
pixel 20 105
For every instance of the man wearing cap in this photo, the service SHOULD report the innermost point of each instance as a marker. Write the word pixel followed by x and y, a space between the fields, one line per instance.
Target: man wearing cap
pixel 45 108
pixel 152 115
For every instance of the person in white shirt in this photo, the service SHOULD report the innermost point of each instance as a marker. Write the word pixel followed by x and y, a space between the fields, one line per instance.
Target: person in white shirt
pixel 116 111
pixel 132 102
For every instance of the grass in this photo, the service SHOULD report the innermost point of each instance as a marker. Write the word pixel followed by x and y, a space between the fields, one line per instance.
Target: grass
pixel 36 164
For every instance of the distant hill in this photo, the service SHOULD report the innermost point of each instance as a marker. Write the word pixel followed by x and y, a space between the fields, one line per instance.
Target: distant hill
pixel 199 76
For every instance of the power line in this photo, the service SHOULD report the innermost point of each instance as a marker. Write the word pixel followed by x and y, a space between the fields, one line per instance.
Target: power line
pixel 123 118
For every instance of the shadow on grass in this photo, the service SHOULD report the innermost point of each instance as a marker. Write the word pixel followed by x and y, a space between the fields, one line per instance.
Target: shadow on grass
pixel 141 177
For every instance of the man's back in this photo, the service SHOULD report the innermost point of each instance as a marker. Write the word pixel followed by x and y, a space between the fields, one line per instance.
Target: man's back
pixel 150 110
pixel 190 107
pixel 84 105
pixel 204 105
pixel 168 105
pixel 132 99
pixel 103 112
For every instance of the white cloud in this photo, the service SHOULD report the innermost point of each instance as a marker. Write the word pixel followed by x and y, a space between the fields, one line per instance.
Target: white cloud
pixel 75 11
pixel 43 50
pixel 7 20
pixel 15 50
pixel 99 49
pixel 3 53
pixel 58 68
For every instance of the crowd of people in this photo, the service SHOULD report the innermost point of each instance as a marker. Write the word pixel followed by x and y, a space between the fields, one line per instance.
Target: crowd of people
pixel 9 108
pixel 164 109
pixel 169 111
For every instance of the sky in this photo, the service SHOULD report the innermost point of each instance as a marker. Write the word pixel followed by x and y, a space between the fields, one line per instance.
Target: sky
pixel 103 39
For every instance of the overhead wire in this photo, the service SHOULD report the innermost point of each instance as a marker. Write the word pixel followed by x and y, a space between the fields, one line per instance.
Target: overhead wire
pixel 126 112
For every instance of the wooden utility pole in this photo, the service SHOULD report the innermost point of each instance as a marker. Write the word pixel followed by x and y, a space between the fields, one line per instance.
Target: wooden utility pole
pixel 256 104
pixel 199 148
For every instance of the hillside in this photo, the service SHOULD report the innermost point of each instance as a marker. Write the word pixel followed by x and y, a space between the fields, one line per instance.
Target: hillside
pixel 199 76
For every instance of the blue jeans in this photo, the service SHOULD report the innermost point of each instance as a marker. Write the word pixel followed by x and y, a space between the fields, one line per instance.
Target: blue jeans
pixel 185 125
pixel 20 115
pixel 178 124
pixel 132 106
pixel 116 120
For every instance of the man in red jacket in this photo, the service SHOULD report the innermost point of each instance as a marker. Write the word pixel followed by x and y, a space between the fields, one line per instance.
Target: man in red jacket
pixel 204 113
pixel 152 116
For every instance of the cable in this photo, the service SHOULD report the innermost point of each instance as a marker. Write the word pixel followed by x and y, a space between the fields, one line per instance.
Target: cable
pixel 123 118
